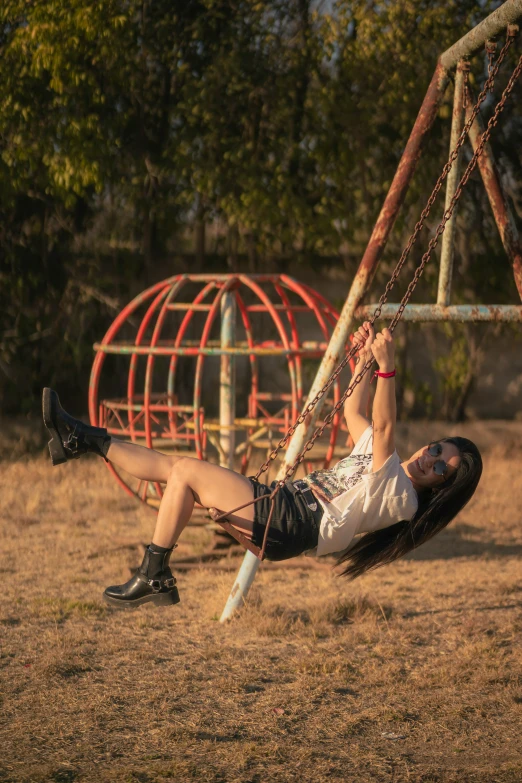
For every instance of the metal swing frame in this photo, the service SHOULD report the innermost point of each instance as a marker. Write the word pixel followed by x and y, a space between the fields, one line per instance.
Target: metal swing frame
pixel 470 44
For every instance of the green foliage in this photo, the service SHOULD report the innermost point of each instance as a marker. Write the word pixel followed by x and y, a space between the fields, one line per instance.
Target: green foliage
pixel 417 395
pixel 454 366
pixel 122 123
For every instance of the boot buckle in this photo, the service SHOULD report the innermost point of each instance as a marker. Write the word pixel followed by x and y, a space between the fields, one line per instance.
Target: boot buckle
pixel 155 584
pixel 169 582
pixel 72 441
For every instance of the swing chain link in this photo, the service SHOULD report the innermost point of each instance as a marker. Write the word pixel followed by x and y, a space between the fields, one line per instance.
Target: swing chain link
pixel 491 48
pixel 445 171
pixel 427 255
pixel 511 34
pixel 458 192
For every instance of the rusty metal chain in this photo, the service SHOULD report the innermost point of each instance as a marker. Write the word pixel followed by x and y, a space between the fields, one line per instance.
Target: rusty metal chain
pixel 402 260
pixel 260 552
pixel 418 272
pixel 445 171
pixel 491 48
pixel 464 179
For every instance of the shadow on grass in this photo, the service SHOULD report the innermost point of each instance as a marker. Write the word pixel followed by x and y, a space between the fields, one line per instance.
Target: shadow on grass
pixel 455 542
pixel 462 609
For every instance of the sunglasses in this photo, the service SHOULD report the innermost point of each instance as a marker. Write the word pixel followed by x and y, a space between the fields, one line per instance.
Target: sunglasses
pixel 440 468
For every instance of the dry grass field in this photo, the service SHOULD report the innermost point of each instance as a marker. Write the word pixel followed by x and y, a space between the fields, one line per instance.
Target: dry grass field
pixel 412 673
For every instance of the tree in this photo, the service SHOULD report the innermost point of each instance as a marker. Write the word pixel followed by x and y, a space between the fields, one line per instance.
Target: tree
pixel 123 122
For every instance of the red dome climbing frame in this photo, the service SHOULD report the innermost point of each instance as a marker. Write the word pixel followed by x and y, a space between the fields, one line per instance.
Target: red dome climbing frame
pixel 178 345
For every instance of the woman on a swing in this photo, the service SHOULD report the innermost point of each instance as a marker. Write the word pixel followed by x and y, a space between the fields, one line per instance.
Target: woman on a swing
pixel 396 505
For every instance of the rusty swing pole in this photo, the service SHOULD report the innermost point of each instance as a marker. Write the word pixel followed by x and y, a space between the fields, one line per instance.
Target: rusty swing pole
pixel 227 381
pixel 448 238
pixel 499 203
pixel 442 311
pixel 467 46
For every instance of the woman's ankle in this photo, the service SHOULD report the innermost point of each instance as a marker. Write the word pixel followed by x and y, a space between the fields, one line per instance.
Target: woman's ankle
pixel 160 550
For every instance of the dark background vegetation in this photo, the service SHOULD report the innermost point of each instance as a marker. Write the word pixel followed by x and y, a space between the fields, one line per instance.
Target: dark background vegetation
pixel 142 139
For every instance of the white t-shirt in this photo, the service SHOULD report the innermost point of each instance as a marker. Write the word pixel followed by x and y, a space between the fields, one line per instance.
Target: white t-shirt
pixel 357 500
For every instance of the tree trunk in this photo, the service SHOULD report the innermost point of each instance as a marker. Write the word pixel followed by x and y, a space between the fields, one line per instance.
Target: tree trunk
pixel 232 243
pixel 301 90
pixel 476 358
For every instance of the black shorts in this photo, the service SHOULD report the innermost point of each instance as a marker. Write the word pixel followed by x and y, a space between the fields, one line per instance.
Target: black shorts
pixel 295 524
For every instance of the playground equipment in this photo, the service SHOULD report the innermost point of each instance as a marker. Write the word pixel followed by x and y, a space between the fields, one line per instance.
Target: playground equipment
pixel 182 344
pixel 299 438
pixel 301 435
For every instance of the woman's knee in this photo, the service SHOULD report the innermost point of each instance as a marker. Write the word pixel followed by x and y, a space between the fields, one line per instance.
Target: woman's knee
pixel 181 468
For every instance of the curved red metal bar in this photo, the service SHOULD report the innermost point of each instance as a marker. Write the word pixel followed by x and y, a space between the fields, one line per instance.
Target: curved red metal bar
pixel 279 325
pixel 109 335
pixel 95 411
pixel 134 359
pixel 331 313
pixel 296 359
pixel 202 344
pixel 310 297
pixel 163 295
pixel 174 289
pixel 198 440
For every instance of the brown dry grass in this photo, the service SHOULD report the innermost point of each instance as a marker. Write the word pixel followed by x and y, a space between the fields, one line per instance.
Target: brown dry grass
pixel 409 674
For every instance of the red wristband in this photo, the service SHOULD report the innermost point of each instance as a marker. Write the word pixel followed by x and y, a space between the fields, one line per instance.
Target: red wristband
pixel 379 374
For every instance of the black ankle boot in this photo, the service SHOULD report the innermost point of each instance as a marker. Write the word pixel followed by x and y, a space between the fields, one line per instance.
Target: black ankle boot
pixel 153 581
pixel 70 438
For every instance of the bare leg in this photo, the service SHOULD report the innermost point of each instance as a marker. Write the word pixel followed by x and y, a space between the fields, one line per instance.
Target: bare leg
pixel 141 462
pixel 190 481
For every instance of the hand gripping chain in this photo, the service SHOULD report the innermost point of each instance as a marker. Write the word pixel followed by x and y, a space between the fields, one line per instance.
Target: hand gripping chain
pixel 221 516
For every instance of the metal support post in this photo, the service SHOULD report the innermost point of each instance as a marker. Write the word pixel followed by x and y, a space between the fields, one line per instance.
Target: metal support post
pixel 499 203
pixel 227 381
pixel 448 238
pixel 399 186
pixel 227 412
pixel 245 577
pixel 423 313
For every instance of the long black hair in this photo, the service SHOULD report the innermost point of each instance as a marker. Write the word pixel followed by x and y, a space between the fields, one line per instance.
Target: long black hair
pixel 437 507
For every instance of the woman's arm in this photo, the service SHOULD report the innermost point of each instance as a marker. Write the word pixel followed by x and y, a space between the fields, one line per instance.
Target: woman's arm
pixel 356 405
pixel 384 405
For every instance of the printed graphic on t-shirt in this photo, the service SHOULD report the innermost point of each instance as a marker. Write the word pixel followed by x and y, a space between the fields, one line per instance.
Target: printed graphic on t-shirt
pixel 329 484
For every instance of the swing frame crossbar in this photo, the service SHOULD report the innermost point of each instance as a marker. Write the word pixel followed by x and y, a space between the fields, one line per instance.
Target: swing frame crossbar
pixel 456 313
pixel 504 17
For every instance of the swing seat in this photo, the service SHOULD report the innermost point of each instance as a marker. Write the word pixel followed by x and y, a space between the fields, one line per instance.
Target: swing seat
pixel 215 514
